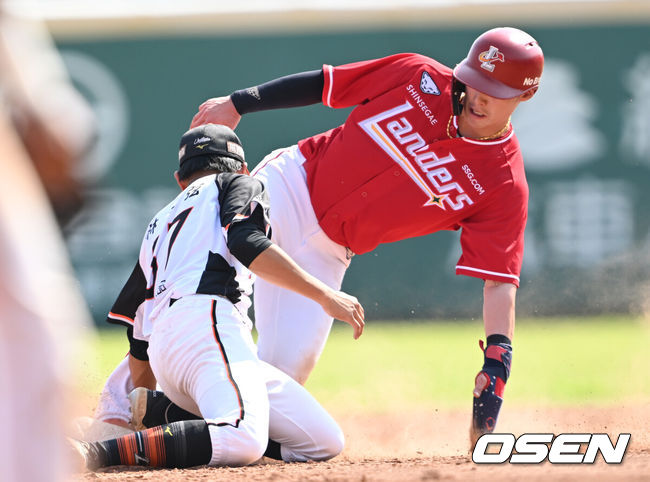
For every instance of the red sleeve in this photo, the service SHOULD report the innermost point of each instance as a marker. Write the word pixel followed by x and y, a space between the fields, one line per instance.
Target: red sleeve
pixel 493 240
pixel 356 83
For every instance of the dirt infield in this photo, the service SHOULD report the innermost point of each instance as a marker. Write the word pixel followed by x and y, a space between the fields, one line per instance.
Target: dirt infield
pixel 432 445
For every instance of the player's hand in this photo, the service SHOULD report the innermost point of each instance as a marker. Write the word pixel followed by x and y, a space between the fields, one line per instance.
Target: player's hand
pixel 218 110
pixel 346 308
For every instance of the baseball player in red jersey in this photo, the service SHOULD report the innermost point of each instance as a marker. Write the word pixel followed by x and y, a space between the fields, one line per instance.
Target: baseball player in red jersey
pixel 186 303
pixel 426 148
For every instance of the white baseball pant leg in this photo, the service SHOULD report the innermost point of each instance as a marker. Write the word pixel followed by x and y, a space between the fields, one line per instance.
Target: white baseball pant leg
pixel 302 427
pixel 293 329
pixel 204 359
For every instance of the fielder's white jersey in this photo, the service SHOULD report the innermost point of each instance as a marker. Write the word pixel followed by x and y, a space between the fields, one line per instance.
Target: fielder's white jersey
pixel 185 250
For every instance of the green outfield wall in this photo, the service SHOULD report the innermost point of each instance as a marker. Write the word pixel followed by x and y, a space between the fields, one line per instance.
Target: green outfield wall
pixel 585 136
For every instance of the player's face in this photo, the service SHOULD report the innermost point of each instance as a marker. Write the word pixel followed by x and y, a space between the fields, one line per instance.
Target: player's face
pixel 483 115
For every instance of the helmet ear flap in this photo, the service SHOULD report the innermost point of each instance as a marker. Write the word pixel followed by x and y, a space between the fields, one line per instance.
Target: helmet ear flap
pixel 457 95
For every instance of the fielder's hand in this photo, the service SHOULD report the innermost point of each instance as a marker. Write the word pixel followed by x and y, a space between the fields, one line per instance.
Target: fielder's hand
pixel 346 308
pixel 218 110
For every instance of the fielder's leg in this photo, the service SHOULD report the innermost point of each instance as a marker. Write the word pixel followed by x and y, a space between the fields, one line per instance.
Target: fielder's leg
pixel 203 356
pixel 300 429
pixel 176 445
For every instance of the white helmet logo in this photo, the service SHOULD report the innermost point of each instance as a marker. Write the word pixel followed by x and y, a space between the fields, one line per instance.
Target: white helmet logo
pixel 488 58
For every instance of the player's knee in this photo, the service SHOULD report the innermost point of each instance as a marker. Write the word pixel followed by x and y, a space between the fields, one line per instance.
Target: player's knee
pixel 330 445
pixel 244 451
pixel 237 446
pixel 250 450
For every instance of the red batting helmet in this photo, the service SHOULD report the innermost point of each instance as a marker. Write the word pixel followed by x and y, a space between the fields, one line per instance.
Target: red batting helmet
pixel 503 62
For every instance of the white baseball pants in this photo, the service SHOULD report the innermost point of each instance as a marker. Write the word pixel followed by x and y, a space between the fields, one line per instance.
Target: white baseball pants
pixel 293 329
pixel 204 359
pixel 185 372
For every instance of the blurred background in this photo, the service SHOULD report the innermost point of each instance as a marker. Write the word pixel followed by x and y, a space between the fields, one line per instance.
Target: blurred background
pixel 145 66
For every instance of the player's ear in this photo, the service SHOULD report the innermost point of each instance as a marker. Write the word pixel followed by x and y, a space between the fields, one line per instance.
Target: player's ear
pixel 180 183
pixel 528 94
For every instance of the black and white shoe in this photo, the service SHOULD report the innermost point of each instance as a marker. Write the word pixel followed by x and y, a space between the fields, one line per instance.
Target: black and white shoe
pixel 83 457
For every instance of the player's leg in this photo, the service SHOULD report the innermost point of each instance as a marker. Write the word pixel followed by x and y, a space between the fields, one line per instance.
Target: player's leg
pixel 300 429
pixel 211 369
pixel 176 445
pixel 293 329
pixel 207 365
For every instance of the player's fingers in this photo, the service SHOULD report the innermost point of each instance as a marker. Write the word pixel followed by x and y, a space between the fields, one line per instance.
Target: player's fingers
pixel 481 382
pixel 196 120
pixel 350 319
pixel 360 311
pixel 358 326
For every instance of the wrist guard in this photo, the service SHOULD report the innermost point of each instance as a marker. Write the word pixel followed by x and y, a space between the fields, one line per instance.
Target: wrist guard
pixel 489 386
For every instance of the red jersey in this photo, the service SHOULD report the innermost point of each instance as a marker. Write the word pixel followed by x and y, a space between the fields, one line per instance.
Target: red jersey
pixel 395 169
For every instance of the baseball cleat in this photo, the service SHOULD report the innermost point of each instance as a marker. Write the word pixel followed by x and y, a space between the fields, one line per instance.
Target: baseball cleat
pixel 148 407
pixel 138 399
pixel 80 455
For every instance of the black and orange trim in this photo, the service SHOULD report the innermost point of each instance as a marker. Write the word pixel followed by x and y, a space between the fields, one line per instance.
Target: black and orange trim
pixel 215 332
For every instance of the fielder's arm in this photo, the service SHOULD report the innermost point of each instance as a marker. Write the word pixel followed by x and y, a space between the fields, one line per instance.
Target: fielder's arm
pixel 275 266
pixel 141 373
pixel 244 207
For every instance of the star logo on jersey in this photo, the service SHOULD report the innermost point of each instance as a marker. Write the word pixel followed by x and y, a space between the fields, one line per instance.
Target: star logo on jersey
pixel 427 85
pixel 379 128
pixel 490 56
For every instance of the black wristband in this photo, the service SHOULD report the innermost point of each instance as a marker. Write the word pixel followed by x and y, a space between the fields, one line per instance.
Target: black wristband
pixel 137 348
pixel 295 90
pixel 496 339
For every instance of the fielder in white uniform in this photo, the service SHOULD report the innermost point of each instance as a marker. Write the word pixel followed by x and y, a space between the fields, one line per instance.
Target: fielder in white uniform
pixel 187 301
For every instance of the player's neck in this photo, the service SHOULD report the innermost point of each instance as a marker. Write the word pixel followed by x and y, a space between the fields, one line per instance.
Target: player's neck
pixel 465 129
pixel 193 177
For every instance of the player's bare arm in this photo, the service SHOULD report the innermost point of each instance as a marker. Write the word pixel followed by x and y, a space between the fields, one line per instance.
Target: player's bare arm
pixel 141 373
pixel 276 267
pixel 489 384
pixel 499 308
